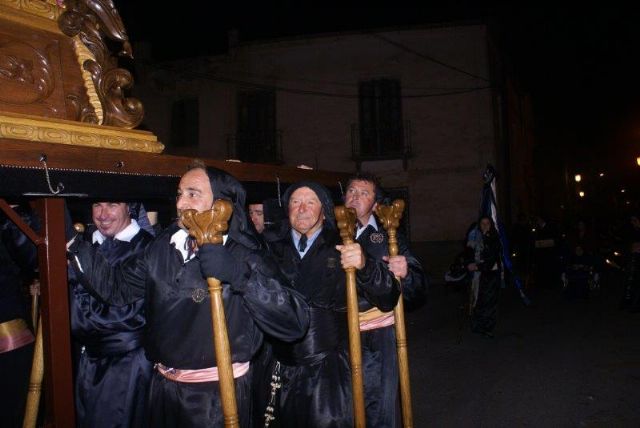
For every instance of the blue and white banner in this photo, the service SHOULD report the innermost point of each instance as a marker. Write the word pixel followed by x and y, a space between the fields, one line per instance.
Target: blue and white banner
pixel 488 207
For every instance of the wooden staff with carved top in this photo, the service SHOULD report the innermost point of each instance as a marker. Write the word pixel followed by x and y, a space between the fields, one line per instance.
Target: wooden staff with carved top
pixel 390 216
pixel 346 219
pixel 208 227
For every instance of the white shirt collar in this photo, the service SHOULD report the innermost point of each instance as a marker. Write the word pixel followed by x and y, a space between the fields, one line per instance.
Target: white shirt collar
pixel 372 222
pixel 179 239
pixel 125 234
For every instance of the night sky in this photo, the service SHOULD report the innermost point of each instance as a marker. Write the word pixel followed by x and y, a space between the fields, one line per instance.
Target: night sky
pixel 580 66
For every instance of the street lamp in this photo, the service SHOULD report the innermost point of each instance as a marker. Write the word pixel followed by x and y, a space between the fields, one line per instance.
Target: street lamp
pixel 638 160
pixel 581 194
pixel 578 178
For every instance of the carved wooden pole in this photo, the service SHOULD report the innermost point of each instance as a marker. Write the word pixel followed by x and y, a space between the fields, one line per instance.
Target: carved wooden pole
pixel 390 216
pixel 35 381
pixel 37 363
pixel 207 228
pixel 346 219
pixel 34 290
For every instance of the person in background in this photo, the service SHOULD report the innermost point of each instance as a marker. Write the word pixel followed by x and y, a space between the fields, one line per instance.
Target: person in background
pixel 483 260
pixel 268 218
pixel 631 297
pixel 546 254
pixel 256 213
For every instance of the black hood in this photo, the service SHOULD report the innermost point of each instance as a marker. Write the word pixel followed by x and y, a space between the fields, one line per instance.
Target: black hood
pixel 323 195
pixel 225 186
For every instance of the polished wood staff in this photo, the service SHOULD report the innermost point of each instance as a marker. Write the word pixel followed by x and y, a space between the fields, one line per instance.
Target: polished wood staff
pixel 37 363
pixel 207 227
pixel 34 290
pixel 346 219
pixel 390 216
pixel 35 380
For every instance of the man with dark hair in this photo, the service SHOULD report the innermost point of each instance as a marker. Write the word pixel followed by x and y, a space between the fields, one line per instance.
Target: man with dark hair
pixel 256 213
pixel 171 276
pixel 314 371
pixel 483 260
pixel 113 374
pixel 379 358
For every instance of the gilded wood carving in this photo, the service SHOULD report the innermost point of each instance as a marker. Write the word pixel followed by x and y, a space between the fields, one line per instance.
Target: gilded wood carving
pixel 208 226
pixel 25 71
pixel 91 21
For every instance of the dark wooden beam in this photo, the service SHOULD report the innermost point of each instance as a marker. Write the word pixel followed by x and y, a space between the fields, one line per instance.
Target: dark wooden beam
pixel 58 384
pixel 27 154
pixel 17 220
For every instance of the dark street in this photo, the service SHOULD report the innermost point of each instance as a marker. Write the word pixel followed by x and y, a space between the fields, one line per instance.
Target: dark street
pixel 553 364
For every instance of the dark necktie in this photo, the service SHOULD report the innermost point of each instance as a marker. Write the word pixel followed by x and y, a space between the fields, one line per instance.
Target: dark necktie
pixel 362 229
pixel 302 244
pixel 191 246
pixel 107 245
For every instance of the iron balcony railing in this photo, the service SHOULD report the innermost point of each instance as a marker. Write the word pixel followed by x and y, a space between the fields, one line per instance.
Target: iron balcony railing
pixel 381 142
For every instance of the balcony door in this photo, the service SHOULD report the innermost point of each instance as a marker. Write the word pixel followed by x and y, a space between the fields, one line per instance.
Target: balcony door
pixel 256 138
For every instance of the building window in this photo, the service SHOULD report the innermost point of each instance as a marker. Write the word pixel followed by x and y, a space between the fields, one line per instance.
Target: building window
pixel 381 133
pixel 185 123
pixel 257 139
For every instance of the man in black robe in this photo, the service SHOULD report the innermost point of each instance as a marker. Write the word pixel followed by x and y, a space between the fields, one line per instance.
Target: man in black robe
pixel 113 374
pixel 546 242
pixel 18 265
pixel 314 371
pixel 379 356
pixel 256 213
pixel 483 259
pixel 178 337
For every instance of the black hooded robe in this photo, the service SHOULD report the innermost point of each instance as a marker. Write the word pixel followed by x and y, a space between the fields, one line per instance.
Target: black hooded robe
pixel 113 374
pixel 18 264
pixel 315 372
pixel 179 333
pixel 379 349
pixel 485 312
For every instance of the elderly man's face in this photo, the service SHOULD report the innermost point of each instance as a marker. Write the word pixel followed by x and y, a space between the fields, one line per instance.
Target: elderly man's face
pixel 361 196
pixel 110 217
pixel 194 192
pixel 305 211
pixel 256 212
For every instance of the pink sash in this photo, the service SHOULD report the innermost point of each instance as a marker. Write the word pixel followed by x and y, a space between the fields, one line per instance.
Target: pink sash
pixel 374 319
pixel 209 374
pixel 14 334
